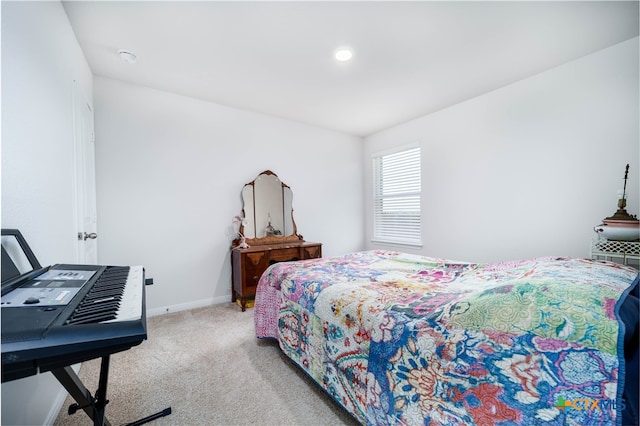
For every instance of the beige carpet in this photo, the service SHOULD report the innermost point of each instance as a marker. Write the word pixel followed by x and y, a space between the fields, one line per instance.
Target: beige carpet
pixel 208 366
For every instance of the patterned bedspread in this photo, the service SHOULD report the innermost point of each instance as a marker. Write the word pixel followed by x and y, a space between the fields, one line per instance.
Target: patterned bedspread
pixel 404 339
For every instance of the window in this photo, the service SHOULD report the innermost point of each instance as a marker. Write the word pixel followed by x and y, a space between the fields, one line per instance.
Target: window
pixel 396 197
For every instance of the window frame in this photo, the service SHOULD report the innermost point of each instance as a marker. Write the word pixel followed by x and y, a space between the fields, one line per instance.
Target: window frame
pixel 384 232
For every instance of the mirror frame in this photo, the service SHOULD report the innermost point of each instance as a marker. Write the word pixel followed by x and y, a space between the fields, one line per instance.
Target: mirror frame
pixel 269 239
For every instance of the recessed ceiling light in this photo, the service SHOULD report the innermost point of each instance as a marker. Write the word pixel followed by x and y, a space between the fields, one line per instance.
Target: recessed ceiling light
pixel 127 56
pixel 344 54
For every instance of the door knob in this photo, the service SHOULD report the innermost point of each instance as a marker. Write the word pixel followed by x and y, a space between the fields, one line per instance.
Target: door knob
pixel 84 236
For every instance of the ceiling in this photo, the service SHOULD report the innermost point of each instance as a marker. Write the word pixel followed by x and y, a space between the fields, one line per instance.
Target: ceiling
pixel 410 58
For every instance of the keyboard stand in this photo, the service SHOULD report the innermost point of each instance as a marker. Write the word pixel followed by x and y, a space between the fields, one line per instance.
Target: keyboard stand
pixel 94 407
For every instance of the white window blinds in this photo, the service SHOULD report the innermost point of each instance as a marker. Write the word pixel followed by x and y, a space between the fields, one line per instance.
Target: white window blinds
pixel 396 198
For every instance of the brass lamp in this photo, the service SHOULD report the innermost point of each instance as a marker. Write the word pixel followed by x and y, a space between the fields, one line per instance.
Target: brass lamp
pixel 621 226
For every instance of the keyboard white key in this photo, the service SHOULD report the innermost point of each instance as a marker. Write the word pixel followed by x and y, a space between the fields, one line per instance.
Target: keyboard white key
pixel 131 303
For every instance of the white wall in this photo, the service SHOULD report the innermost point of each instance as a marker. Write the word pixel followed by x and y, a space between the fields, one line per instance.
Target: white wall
pixel 528 169
pixel 169 173
pixel 40 60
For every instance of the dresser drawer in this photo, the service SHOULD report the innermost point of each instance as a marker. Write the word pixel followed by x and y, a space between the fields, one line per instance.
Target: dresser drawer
pixel 284 254
pixel 251 277
pixel 313 252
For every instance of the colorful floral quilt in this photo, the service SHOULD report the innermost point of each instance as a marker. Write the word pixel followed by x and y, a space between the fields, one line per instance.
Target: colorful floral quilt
pixel 411 340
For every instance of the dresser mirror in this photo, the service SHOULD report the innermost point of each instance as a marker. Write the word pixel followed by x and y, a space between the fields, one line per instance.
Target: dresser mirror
pixel 268 211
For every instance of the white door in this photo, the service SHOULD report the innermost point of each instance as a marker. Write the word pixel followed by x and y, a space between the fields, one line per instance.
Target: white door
pixel 87 224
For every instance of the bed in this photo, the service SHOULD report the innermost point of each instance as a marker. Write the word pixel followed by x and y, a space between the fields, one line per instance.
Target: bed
pixel 397 338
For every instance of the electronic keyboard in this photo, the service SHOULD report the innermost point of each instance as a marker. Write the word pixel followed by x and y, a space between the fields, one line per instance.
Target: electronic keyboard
pixel 65 314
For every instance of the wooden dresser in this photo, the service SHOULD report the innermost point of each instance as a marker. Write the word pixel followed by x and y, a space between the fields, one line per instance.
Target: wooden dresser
pixel 247 265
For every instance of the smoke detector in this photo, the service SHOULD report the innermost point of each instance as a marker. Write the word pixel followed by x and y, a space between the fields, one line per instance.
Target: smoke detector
pixel 127 56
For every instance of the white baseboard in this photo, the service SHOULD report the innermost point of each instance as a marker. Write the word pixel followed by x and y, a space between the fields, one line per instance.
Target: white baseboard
pixel 189 305
pixel 61 396
pixel 56 407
